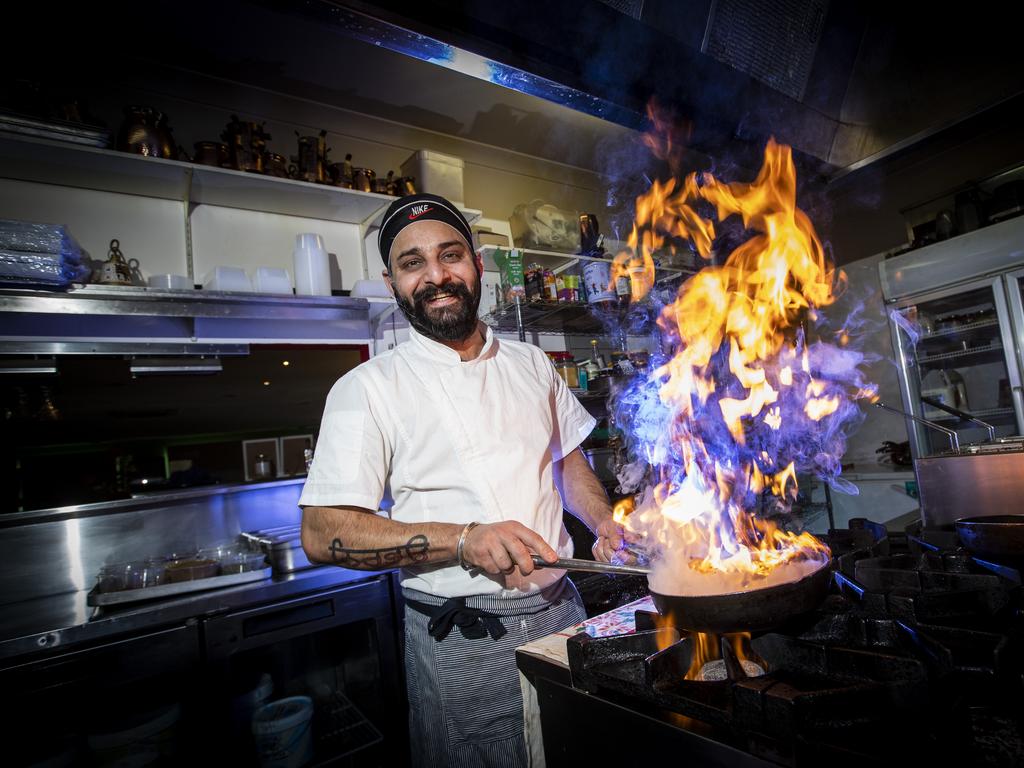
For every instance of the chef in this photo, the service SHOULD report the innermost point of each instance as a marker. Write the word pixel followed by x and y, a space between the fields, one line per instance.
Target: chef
pixel 471 446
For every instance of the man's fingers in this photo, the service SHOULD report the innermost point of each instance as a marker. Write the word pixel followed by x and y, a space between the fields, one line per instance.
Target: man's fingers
pixel 502 559
pixel 521 555
pixel 534 542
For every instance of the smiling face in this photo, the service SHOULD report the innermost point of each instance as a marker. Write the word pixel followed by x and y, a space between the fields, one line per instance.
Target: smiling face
pixel 435 278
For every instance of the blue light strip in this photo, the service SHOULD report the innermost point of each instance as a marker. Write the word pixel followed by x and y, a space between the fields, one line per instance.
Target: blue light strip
pixel 428 49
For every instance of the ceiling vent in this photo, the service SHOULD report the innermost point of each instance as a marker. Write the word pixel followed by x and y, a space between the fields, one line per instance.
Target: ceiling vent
pixel 632 8
pixel 774 42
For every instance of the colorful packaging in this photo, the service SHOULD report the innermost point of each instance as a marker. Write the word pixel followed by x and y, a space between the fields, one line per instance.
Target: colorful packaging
pixel 513 281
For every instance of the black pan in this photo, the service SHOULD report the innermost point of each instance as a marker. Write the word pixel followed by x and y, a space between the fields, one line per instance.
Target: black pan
pixel 754 610
pixel 999 538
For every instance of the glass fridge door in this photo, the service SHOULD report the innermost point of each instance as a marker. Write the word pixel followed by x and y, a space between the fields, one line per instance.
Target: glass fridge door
pixel 1015 302
pixel 957 349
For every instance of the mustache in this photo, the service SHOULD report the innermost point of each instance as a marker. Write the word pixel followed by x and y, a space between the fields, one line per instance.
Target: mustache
pixel 459 290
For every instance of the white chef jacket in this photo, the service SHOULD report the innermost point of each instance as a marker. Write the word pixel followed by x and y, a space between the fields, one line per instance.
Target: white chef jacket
pixel 434 439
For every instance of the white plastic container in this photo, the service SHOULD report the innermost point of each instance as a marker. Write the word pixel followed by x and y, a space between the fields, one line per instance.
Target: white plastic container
pixel 283 734
pixel 227 279
pixel 273 280
pixel 170 282
pixel 312 266
pixel 436 173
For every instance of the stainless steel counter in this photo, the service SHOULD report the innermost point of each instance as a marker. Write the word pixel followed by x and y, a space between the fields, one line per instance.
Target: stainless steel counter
pixel 64 621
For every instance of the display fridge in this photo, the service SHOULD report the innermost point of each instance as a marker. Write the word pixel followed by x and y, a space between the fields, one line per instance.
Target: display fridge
pixel 956 316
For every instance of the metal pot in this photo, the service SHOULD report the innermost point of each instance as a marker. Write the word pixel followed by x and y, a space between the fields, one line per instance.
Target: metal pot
pixel 211 153
pixel 247 140
pixel 277 165
pixel 144 131
pixel 364 179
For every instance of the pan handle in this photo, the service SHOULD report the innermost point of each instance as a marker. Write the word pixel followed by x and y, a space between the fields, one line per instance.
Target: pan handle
pixel 962 414
pixel 591 566
pixel 954 439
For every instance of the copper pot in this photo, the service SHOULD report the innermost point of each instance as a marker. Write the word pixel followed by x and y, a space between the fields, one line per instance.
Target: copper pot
pixel 212 153
pixel 312 158
pixel 247 141
pixel 277 165
pixel 340 174
pixel 364 179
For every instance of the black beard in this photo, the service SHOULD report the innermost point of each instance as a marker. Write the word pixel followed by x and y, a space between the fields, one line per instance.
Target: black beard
pixel 451 323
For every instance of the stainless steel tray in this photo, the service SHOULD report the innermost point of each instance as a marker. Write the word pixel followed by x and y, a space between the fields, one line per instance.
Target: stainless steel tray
pixel 124 596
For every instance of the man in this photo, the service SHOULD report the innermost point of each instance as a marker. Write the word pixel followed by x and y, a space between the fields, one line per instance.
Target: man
pixel 469 441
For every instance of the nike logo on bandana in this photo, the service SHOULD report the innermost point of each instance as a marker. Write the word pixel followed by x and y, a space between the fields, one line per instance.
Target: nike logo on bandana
pixel 419 210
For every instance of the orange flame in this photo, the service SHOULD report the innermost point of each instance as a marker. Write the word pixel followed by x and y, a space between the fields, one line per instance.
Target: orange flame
pixel 751 306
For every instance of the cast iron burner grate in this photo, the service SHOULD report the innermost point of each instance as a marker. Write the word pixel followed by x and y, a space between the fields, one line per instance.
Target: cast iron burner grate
pixel 916 654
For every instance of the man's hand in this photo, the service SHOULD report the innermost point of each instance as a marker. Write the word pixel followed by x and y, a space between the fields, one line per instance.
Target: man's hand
pixel 502 547
pixel 611 543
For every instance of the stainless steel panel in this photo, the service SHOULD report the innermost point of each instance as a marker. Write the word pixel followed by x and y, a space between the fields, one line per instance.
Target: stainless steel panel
pixel 128 301
pixel 989 250
pixel 64 620
pixel 58 551
pixel 118 348
pixel 952 487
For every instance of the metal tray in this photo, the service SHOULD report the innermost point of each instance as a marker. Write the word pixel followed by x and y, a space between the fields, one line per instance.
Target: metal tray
pixel 124 596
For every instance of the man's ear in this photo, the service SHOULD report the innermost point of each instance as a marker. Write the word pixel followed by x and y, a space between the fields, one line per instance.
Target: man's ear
pixel 478 259
pixel 387 281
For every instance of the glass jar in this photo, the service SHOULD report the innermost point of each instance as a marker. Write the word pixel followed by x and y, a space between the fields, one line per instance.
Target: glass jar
pixel 565 366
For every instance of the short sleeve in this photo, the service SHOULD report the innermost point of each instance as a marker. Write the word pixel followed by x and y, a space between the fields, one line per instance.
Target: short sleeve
pixel 353 452
pixel 574 423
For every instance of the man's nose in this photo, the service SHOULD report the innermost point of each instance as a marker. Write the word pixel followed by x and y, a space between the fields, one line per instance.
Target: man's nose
pixel 437 272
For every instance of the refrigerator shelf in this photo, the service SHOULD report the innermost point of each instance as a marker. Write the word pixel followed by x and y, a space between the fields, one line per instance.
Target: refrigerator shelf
pixel 947 332
pixel 996 347
pixel 985 413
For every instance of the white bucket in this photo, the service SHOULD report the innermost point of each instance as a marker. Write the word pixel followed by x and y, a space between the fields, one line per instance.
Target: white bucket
pixel 282 730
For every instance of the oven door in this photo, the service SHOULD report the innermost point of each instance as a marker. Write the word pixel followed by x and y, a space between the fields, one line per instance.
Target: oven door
pixel 339 647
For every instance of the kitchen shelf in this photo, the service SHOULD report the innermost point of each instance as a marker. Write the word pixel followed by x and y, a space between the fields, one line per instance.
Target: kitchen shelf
pixel 924 359
pixel 121 320
pixel 54 162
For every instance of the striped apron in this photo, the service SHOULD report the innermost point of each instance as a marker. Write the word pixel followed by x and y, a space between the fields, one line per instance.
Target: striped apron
pixel 465 703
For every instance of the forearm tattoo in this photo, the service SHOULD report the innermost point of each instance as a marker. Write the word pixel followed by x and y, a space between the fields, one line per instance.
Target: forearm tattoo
pixel 415 550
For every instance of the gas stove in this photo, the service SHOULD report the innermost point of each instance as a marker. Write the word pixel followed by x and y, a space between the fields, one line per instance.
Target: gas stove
pixel 916 654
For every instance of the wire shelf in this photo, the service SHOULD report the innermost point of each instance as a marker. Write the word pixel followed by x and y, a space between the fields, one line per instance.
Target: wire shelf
pixel 960 329
pixel 995 347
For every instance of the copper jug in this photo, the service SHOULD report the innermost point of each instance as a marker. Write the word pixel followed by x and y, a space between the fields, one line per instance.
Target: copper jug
pixel 144 131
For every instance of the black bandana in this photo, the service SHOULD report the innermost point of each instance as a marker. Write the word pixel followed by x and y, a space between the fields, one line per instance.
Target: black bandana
pixel 422 207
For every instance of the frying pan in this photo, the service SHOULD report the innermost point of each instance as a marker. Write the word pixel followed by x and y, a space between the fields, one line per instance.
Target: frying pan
pixel 749 611
pixel 999 538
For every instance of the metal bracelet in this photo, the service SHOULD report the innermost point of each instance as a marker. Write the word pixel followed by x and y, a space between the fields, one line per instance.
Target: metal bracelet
pixel 462 543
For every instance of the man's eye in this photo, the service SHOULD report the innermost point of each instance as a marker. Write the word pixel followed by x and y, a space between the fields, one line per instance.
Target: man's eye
pixel 452 256
pixel 411 264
